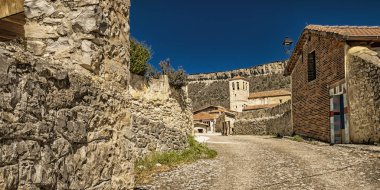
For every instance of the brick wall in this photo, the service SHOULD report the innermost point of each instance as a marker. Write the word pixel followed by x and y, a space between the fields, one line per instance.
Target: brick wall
pixel 311 101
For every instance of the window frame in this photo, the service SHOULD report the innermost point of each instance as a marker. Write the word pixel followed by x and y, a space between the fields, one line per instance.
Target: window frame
pixel 311 66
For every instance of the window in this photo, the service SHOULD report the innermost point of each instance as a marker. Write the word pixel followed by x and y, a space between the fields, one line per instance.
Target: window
pixel 311 67
pixel 238 87
pixel 280 101
pixel 233 86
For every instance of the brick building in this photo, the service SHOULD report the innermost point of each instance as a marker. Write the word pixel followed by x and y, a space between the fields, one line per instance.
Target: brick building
pixel 319 75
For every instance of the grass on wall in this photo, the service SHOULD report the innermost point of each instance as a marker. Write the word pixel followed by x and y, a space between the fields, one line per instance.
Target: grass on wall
pixel 164 161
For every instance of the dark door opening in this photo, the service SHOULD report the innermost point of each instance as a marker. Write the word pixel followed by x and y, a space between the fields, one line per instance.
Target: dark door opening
pixel 338 128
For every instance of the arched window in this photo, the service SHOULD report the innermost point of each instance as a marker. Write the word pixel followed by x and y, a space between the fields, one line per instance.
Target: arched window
pixel 237 84
pixel 233 86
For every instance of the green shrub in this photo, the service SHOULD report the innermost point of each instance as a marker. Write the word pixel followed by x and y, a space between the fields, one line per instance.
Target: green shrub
pixel 297 138
pixel 140 55
pixel 194 152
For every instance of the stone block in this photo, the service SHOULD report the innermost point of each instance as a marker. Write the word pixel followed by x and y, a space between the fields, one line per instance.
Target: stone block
pixel 9 177
pixel 37 8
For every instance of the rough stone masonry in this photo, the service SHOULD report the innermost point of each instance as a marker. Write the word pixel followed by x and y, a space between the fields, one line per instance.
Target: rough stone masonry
pixel 269 121
pixel 67 116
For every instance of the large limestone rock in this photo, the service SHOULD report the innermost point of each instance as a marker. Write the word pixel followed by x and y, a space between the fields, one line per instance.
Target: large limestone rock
pixel 57 128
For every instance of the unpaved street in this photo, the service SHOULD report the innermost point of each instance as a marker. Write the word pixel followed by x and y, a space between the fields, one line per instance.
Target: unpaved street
pixel 252 162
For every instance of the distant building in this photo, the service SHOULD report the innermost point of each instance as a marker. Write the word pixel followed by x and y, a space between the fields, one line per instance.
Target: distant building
pixel 209 120
pixel 335 87
pixel 239 93
pixel 273 97
pixel 201 127
pixel 213 119
pixel 242 100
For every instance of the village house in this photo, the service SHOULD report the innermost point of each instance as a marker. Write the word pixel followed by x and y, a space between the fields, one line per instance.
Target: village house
pixel 335 93
pixel 273 97
pixel 213 119
pixel 242 100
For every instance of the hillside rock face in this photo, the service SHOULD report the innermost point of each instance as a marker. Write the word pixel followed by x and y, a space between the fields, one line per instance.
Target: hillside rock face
pixel 266 69
pixel 212 88
pixel 69 116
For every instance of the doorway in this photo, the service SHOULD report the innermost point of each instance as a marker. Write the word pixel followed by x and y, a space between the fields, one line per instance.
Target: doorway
pixel 339 128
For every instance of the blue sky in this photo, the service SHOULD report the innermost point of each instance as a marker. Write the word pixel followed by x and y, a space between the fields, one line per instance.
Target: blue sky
pixel 220 35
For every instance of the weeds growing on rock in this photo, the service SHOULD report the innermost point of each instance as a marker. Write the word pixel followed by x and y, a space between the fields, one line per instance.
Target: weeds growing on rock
pixel 164 161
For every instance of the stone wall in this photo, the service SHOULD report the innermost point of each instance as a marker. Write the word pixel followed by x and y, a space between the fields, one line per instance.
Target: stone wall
pixel 93 34
pixel 162 117
pixel 61 127
pixel 363 83
pixel 212 88
pixel 270 121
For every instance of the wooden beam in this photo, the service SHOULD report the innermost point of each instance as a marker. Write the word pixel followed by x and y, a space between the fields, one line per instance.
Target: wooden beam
pixel 12 27
pixel 11 7
pixel 16 19
pixel 7 34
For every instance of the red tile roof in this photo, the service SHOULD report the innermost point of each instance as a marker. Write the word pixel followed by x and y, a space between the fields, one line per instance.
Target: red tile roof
pixel 347 31
pixel 354 33
pixel 272 93
pixel 257 107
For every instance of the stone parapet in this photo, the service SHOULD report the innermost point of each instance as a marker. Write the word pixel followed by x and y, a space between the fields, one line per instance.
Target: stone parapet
pixel 269 121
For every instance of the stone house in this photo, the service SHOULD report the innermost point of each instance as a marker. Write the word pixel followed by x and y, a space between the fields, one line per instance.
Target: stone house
pixel 335 84
pixel 273 97
pixel 215 117
pixel 201 127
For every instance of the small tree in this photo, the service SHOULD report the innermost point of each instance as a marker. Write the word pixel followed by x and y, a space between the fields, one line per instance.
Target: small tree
pixel 140 55
pixel 178 78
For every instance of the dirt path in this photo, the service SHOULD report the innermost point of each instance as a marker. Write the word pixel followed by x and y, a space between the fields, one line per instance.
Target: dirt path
pixel 269 163
pixel 252 162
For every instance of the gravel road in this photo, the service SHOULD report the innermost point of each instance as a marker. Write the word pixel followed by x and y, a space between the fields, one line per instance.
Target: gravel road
pixel 262 162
